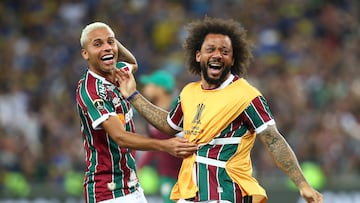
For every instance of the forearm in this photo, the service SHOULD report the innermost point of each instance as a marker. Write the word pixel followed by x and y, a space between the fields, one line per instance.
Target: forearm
pixel 139 142
pixel 153 114
pixel 176 146
pixel 125 55
pixel 128 139
pixel 283 155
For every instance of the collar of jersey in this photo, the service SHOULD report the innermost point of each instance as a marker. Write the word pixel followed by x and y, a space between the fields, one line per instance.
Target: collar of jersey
pixel 226 82
pixel 99 77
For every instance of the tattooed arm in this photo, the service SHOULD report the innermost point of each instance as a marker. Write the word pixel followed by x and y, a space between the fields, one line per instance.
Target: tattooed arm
pixel 152 113
pixel 286 160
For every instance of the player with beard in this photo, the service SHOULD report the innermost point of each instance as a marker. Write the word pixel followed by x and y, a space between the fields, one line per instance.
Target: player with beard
pixel 223 114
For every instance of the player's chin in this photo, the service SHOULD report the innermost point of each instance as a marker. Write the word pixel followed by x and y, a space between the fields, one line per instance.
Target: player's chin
pixel 107 70
pixel 108 66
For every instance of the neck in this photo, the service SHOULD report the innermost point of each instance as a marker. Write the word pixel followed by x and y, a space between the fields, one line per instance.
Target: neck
pixel 208 86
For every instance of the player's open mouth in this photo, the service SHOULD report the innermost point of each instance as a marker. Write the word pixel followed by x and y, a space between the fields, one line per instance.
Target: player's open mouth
pixel 108 58
pixel 216 65
pixel 215 68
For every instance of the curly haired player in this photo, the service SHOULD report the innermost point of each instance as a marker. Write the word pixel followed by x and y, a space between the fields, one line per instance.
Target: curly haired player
pixel 223 114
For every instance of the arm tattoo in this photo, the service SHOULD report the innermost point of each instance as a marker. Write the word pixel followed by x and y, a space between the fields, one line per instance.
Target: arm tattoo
pixel 153 114
pixel 282 154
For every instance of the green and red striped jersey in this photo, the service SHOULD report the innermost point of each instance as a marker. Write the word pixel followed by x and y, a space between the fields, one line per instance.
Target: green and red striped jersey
pixel 110 169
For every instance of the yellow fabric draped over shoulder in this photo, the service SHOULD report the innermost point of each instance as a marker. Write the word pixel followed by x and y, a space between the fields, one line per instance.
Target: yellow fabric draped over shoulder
pixel 206 114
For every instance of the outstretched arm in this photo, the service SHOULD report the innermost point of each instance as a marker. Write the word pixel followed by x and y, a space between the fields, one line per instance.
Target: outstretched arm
pixel 152 113
pixel 125 55
pixel 286 160
pixel 175 146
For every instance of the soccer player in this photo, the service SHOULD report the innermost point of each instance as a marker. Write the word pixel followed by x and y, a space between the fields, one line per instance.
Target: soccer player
pixel 107 125
pixel 223 114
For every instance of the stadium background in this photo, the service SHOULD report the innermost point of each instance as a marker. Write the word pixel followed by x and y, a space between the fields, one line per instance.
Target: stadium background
pixel 307 56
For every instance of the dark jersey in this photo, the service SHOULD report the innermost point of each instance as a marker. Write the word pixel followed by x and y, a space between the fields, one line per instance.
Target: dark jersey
pixel 110 169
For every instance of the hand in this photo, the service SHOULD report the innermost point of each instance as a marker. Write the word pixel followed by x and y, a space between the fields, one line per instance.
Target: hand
pixel 126 81
pixel 180 147
pixel 311 195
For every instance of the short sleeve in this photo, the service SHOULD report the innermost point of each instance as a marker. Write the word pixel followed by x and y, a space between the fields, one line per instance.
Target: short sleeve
pixel 257 115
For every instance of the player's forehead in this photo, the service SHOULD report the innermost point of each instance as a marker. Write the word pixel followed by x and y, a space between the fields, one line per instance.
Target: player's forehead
pixel 102 33
pixel 217 40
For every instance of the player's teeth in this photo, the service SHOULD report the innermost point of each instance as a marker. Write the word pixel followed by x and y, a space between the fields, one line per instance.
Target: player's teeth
pixel 107 57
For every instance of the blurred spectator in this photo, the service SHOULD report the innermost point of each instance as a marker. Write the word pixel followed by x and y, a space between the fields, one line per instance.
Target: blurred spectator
pixel 159 88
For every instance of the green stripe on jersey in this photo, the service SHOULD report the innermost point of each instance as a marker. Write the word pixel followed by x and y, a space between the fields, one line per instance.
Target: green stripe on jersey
pixel 266 106
pixel 85 96
pixel 254 114
pixel 227 185
pixel 203 175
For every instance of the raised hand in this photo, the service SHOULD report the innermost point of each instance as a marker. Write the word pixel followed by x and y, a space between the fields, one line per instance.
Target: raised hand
pixel 126 81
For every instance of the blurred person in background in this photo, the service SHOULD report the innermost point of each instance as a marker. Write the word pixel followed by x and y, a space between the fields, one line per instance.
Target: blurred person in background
pixel 223 114
pixel 107 125
pixel 158 88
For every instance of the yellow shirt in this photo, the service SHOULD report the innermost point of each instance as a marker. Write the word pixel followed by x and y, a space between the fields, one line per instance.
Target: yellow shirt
pixel 206 113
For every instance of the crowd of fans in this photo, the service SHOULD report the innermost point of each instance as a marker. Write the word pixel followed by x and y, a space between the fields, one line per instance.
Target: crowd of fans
pixel 306 58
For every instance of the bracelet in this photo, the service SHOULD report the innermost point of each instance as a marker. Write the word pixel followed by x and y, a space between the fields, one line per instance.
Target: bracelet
pixel 132 95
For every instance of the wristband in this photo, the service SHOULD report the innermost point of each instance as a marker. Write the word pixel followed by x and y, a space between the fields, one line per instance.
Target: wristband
pixel 132 95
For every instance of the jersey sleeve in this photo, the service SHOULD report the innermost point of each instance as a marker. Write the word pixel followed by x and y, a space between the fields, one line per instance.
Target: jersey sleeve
pixel 175 117
pixel 257 116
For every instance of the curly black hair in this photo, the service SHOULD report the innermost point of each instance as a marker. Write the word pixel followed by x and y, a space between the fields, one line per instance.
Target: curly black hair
pixel 197 31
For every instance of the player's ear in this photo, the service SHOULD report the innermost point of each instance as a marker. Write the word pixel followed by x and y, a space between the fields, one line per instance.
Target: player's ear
pixel 198 55
pixel 84 54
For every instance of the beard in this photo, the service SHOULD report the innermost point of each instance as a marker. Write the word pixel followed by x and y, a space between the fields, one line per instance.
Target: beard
pixel 214 81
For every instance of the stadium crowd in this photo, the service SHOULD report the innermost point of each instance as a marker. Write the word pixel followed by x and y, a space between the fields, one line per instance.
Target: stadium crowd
pixel 306 63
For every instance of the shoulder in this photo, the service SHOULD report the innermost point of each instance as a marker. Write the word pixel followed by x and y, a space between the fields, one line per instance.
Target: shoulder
pixel 246 85
pixel 89 86
pixel 190 86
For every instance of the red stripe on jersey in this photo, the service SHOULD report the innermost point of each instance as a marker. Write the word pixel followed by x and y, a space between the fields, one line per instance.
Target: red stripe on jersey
pixel 236 124
pixel 177 117
pixel 213 182
pixel 238 195
pixel 86 195
pixel 261 109
pixel 213 170
pixel 261 112
pixel 78 96
pixel 125 170
pixel 102 176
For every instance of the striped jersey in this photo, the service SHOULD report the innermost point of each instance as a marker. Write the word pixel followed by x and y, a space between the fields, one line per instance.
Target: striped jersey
pixel 110 169
pixel 233 180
